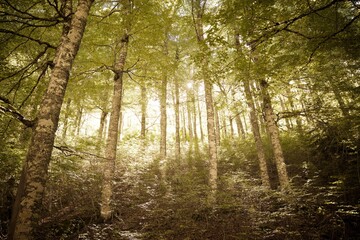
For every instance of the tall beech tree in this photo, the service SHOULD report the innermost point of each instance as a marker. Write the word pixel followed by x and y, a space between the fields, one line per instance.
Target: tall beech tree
pixel 273 131
pixel 32 184
pixel 113 133
pixel 197 11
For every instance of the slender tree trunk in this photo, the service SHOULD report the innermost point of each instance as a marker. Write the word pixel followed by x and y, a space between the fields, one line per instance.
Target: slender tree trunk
pixel 284 109
pixel 177 121
pixel 104 114
pixel 257 137
pixel 163 103
pixel 211 136
pixel 26 210
pixel 113 132
pixel 265 180
pixel 292 105
pixel 189 121
pixel 184 133
pixel 198 9
pixel 196 140
pixel 66 118
pixel 274 136
pixel 258 106
pixel 143 111
pixel 78 120
pixel 217 127
pixel 340 100
pixel 200 120
pixel 239 126
pixel 163 118
pixel 232 133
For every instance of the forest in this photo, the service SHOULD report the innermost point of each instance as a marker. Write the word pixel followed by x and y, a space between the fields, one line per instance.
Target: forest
pixel 179 119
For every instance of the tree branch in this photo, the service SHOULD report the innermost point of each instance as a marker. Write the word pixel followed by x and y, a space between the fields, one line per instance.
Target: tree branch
pixel 15 113
pixel 27 37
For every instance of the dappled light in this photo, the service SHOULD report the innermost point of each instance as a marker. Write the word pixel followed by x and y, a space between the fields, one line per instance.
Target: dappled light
pixel 179 120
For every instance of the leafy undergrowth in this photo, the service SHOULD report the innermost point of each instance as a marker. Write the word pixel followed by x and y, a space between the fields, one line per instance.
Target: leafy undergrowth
pixel 172 203
pixel 178 208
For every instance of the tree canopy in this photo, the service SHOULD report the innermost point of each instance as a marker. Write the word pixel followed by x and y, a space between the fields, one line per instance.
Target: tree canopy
pixel 185 119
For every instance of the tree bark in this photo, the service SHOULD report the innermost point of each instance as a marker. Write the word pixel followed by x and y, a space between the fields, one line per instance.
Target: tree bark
pixel 177 121
pixel 163 118
pixel 274 137
pixel 66 119
pixel 239 126
pixel 265 180
pixel 198 8
pixel 26 210
pixel 200 119
pixel 113 132
pixel 143 111
pixel 78 120
pixel 217 127
pixel 104 114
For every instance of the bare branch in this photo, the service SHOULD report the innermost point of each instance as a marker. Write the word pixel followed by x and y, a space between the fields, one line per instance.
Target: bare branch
pixel 9 108
pixel 28 37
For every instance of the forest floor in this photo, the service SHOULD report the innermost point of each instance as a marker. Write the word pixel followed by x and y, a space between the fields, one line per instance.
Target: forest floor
pixel 149 208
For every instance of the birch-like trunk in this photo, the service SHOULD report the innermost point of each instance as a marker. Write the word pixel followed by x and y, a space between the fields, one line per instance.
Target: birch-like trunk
pixel 26 210
pixel 177 121
pixel 198 8
pixel 257 137
pixel 66 119
pixel 239 126
pixel 274 137
pixel 163 118
pixel 113 132
pixel 143 111
pixel 265 180
pixel 104 114
pixel 217 127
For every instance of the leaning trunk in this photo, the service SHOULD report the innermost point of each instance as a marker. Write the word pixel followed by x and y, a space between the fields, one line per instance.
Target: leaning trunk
pixel 274 137
pixel 257 137
pixel 113 132
pixel 28 202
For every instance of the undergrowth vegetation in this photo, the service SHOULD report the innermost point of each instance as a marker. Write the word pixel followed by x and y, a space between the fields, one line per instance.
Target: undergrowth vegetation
pixel 169 200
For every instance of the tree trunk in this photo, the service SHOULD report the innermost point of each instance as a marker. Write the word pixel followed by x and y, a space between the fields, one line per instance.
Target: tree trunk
pixel 198 9
pixel 26 210
pixel 200 119
pixel 163 118
pixel 184 134
pixel 298 117
pixel 255 126
pixel 177 121
pixel 113 132
pixel 257 137
pixel 189 121
pixel 239 126
pixel 211 136
pixel 196 140
pixel 274 137
pixel 66 119
pixel 78 120
pixel 143 111
pixel 340 100
pixel 104 114
pixel 232 133
pixel 284 109
pixel 217 127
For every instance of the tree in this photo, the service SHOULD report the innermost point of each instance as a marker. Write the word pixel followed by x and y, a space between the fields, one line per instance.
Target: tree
pixel 112 139
pixel 197 11
pixel 274 137
pixel 32 185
